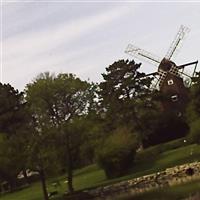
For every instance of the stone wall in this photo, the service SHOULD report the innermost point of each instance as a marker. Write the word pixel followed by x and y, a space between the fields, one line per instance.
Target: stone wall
pixel 170 176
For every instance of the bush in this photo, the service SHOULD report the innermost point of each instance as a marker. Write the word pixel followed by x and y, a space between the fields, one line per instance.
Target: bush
pixel 194 135
pixel 168 127
pixel 117 153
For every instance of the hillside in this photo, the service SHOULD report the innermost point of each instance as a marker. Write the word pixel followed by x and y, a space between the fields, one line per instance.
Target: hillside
pixel 93 176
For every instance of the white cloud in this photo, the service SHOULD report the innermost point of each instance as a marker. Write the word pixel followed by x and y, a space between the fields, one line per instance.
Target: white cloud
pixel 31 51
pixel 91 37
pixel 32 43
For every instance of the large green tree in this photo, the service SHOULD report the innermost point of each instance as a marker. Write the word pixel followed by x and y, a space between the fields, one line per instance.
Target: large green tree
pixel 9 163
pixel 13 126
pixel 56 101
pixel 12 109
pixel 126 99
pixel 42 152
pixel 124 94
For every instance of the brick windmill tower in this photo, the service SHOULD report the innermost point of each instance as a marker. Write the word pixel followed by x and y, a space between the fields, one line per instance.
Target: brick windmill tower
pixel 169 78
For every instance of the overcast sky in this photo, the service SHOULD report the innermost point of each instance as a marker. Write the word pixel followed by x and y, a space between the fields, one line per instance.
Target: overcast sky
pixel 86 37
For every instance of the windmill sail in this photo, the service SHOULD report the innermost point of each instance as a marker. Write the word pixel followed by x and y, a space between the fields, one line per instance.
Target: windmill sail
pixel 142 54
pixel 177 42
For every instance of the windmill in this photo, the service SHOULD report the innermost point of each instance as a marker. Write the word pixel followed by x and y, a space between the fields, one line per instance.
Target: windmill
pixel 169 78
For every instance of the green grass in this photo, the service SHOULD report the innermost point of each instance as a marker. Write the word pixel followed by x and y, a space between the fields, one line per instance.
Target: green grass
pixel 93 176
pixel 154 151
pixel 32 193
pixel 86 177
pixel 89 177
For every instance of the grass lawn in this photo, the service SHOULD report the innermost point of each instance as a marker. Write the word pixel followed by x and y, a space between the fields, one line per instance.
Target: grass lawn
pixel 86 177
pixel 31 193
pixel 92 176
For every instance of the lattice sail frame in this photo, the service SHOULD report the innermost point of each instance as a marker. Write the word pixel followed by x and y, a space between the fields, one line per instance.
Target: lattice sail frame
pixel 142 54
pixel 177 42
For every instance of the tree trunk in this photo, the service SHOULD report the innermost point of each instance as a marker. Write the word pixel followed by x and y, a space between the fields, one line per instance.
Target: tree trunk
pixel 69 168
pixel 43 182
pixel 70 180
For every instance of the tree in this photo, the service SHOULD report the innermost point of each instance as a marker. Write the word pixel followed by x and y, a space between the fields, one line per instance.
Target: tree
pixel 193 110
pixel 12 112
pixel 13 124
pixel 8 171
pixel 127 100
pixel 42 153
pixel 91 132
pixel 57 101
pixel 124 95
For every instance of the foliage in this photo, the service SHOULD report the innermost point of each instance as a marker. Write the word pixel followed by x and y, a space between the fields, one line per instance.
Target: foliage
pixel 148 114
pixel 193 110
pixel 64 119
pixel 11 109
pixel 126 99
pixel 70 143
pixel 13 126
pixel 42 152
pixel 194 106
pixel 56 102
pixel 92 134
pixel 167 127
pixel 120 91
pixel 116 154
pixel 8 170
pixel 58 98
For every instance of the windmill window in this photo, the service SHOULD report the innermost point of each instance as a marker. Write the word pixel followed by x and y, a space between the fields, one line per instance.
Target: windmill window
pixel 174 98
pixel 170 82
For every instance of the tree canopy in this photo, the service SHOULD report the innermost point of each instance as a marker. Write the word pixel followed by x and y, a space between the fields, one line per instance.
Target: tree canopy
pixel 60 123
pixel 56 102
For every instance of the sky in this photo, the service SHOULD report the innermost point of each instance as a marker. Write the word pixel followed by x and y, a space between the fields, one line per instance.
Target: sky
pixel 85 37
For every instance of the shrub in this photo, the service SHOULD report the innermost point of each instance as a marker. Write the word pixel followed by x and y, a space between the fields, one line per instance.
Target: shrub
pixel 168 127
pixel 116 154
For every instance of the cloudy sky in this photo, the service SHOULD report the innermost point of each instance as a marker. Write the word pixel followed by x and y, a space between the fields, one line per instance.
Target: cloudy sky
pixel 85 37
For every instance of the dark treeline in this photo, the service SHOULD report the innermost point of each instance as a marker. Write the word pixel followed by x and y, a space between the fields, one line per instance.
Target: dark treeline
pixel 60 123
